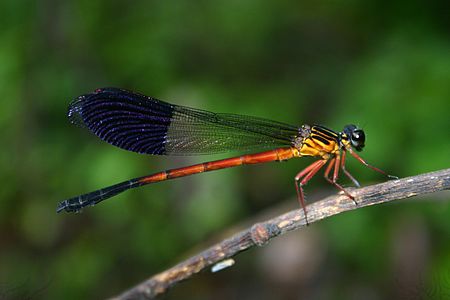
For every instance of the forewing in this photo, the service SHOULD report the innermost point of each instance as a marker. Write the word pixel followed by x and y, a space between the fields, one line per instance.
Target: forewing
pixel 147 125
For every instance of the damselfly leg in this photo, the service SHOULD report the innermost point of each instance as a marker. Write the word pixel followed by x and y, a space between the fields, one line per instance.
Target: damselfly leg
pixel 302 179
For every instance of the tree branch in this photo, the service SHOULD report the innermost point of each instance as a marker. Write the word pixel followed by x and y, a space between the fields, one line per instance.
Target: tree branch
pixel 261 233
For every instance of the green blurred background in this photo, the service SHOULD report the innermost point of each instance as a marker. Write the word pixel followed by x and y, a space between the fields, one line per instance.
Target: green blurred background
pixel 384 66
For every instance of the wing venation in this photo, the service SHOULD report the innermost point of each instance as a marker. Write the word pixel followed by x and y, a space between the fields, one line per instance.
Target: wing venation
pixel 143 124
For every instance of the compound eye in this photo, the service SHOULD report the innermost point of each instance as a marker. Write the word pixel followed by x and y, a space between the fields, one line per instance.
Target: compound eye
pixel 358 135
pixel 358 139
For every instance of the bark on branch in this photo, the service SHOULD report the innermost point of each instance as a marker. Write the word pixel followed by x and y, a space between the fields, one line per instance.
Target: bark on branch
pixel 261 233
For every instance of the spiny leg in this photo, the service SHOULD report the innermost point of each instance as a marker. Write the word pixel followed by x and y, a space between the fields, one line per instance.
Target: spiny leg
pixel 306 174
pixel 359 158
pixel 355 182
pixel 335 162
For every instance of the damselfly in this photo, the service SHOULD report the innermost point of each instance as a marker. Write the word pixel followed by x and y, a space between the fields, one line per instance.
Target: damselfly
pixel 144 124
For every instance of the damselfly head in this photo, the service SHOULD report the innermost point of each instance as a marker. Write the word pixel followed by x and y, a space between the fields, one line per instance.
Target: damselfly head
pixel 356 136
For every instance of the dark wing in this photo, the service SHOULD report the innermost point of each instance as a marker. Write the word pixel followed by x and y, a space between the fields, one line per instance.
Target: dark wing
pixel 144 124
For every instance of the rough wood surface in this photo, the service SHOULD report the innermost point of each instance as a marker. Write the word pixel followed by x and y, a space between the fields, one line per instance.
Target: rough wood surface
pixel 261 233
